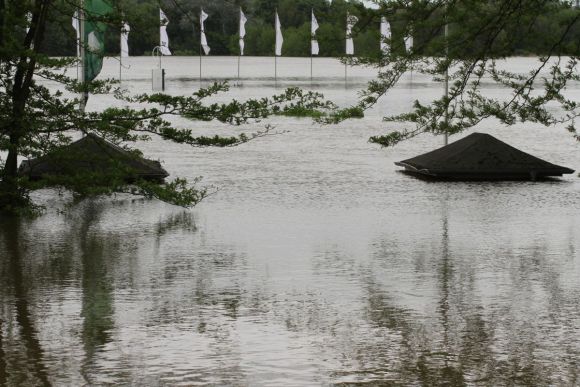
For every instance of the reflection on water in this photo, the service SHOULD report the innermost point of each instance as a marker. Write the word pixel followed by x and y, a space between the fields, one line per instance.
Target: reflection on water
pixel 315 264
pixel 93 301
pixel 97 290
pixel 13 278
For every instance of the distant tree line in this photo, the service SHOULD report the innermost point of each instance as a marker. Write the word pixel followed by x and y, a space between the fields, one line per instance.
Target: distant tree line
pixel 223 23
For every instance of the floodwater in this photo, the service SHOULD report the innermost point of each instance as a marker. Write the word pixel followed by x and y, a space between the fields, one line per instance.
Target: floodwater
pixel 315 263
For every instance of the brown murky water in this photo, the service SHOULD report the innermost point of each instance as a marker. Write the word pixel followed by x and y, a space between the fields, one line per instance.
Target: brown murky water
pixel 316 262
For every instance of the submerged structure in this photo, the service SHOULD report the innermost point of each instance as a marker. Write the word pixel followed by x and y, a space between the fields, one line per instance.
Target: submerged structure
pixel 481 156
pixel 93 155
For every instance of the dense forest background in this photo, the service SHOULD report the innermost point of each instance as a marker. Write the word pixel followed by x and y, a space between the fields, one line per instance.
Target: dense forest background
pixel 222 28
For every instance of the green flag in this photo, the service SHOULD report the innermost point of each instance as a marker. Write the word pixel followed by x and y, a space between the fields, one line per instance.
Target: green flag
pixel 94 39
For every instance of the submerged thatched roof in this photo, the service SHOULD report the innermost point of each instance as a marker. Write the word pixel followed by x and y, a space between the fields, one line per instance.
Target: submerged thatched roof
pixel 481 156
pixel 92 154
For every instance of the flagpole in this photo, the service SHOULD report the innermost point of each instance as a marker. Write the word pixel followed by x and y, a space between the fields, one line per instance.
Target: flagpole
pixel 240 44
pixel 311 68
pixel 446 137
pixel 123 32
pixel 346 56
pixel 78 44
pixel 200 48
pixel 200 65
pixel 275 48
pixel 239 60
pixel 84 94
pixel 348 38
pixel 200 43
pixel 311 38
pixel 408 51
pixel 121 55
pixel 345 62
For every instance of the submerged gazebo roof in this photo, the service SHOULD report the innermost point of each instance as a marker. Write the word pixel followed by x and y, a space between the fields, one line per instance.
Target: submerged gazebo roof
pixel 93 154
pixel 481 156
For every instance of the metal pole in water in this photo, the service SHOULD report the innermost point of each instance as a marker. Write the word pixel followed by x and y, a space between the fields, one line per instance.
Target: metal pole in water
pixel 275 70
pixel 200 48
pixel 239 60
pixel 78 46
pixel 158 76
pixel 85 93
pixel 311 69
pixel 446 138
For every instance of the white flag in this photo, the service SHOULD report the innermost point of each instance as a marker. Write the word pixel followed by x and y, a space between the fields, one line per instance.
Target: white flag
pixel 125 40
pixel 409 43
pixel 314 43
pixel 385 35
pixel 163 38
pixel 202 18
pixel 350 22
pixel 279 37
pixel 28 21
pixel 243 21
pixel 77 26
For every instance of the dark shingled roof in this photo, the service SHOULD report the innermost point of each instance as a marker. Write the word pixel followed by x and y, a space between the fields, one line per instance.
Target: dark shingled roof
pixel 94 155
pixel 481 156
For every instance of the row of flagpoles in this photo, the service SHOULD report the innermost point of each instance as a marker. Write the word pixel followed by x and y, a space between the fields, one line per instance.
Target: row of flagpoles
pixel 163 47
pixel 351 20
pixel 91 40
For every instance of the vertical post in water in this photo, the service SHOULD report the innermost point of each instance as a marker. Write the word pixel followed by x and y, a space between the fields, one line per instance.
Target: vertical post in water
pixel 78 41
pixel 345 73
pixel 446 138
pixel 275 70
pixel 85 92
pixel 242 33
pixel 200 42
pixel 200 48
pixel 239 60
pixel 311 76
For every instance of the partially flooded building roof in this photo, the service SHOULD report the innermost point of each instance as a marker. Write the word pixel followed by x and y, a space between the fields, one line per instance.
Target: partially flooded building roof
pixel 481 156
pixel 93 154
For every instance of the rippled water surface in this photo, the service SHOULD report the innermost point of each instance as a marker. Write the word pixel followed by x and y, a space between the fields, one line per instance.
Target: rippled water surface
pixel 315 263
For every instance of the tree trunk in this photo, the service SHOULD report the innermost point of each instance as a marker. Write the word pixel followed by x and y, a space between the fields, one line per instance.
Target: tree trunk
pixel 10 195
pixel 23 316
pixel 21 84
pixel 11 165
pixel 2 14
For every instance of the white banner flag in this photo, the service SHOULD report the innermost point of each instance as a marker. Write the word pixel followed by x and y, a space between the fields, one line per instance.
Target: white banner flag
pixel 29 21
pixel 125 40
pixel 385 35
pixel 163 38
pixel 279 37
pixel 350 22
pixel 409 43
pixel 77 26
pixel 202 18
pixel 314 43
pixel 243 21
